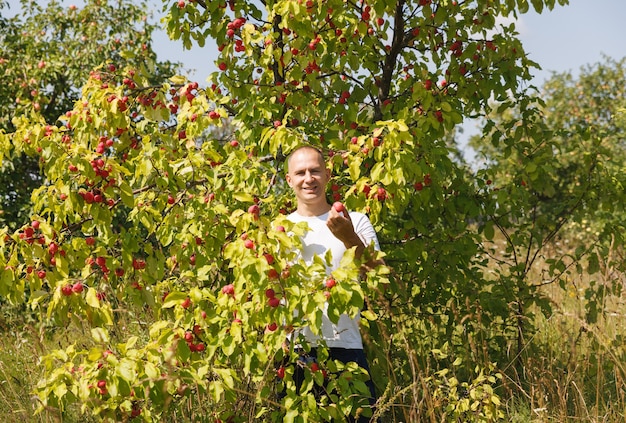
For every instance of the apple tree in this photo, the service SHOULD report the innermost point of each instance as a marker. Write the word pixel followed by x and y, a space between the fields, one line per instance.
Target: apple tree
pixel 47 52
pixel 168 249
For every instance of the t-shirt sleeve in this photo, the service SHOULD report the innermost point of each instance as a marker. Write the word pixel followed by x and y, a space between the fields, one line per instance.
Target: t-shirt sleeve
pixel 364 229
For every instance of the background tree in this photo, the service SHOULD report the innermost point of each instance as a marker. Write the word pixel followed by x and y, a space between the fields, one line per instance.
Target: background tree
pixel 47 53
pixel 188 302
pixel 566 167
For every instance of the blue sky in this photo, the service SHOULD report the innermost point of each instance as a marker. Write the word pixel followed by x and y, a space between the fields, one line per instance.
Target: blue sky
pixel 569 37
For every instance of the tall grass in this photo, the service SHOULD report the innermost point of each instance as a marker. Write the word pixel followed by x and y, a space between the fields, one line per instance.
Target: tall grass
pixel 20 348
pixel 574 368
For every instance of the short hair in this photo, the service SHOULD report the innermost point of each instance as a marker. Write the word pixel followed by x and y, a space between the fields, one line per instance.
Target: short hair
pixel 304 147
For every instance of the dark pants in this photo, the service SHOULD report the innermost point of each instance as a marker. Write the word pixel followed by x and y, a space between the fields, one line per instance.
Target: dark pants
pixel 343 355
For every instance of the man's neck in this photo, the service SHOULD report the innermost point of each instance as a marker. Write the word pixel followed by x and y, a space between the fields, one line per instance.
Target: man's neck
pixel 309 210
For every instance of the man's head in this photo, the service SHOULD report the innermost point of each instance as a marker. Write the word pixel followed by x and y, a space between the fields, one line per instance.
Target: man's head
pixel 308 175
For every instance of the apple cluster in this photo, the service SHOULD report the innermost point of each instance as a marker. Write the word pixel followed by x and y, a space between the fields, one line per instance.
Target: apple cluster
pixel 68 289
pixel 272 300
pixel 191 337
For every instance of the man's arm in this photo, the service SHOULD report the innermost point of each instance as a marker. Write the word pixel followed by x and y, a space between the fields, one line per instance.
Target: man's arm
pixel 341 226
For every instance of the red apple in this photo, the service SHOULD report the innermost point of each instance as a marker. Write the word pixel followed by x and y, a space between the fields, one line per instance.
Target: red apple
pixel 66 290
pixel 185 304
pixel 273 302
pixel 228 289
pixel 280 373
pixel 338 206
pixel 53 248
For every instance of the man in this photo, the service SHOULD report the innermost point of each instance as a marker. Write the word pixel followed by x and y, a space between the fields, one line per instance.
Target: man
pixel 307 175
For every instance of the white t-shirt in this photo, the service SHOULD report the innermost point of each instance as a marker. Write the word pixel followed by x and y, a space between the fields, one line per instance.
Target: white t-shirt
pixel 317 241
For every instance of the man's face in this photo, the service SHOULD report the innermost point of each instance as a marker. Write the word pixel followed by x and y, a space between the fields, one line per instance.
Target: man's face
pixel 308 176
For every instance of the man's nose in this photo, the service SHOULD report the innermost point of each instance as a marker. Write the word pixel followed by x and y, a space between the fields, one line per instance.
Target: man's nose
pixel 308 176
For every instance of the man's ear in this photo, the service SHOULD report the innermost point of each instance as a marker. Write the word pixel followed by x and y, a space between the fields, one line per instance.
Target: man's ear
pixel 288 179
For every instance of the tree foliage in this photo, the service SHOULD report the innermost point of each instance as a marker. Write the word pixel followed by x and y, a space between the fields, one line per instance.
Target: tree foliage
pixel 566 165
pixel 47 53
pixel 148 218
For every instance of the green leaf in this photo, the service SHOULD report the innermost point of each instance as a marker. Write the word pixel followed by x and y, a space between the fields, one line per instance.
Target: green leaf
pixel 126 194
pixel 244 197
pixel 91 298
pixel 100 335
pixel 127 370
pixel 488 230
pixel 369 315
pixel 174 298
pixel 60 389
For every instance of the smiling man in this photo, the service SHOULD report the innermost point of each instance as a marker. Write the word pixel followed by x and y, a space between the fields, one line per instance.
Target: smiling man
pixel 329 230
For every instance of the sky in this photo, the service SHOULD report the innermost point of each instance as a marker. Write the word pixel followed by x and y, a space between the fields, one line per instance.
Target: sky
pixel 562 40
pixel 570 37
